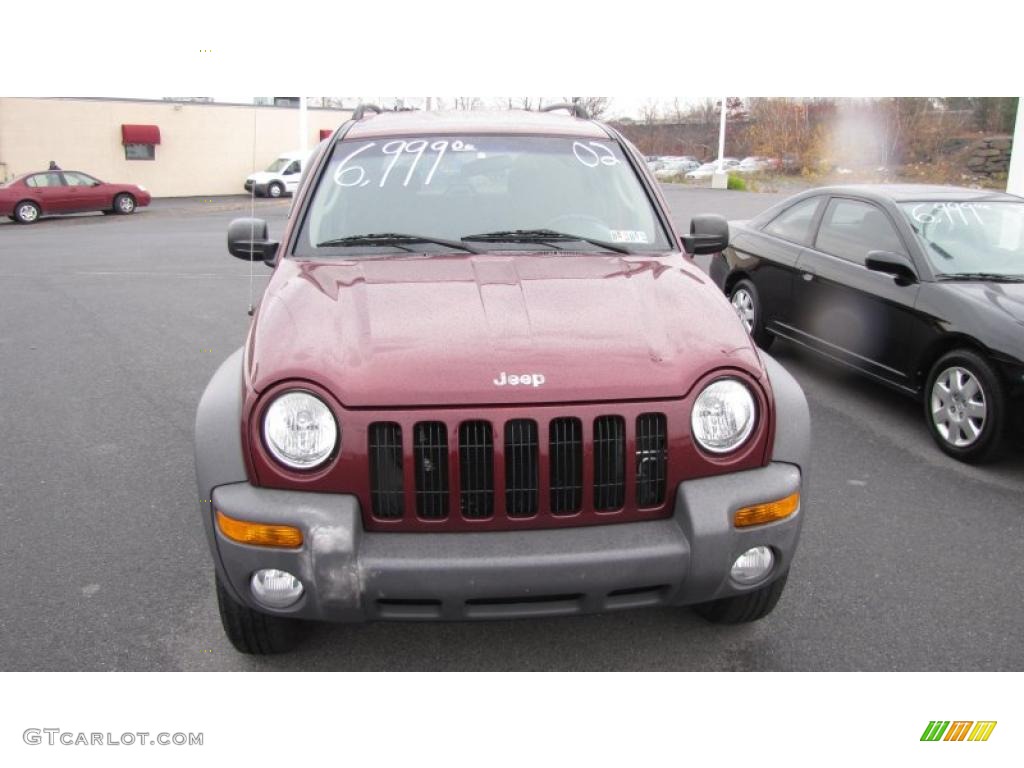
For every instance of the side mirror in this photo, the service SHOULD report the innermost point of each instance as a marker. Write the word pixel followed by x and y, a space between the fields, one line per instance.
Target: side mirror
pixel 247 240
pixel 895 264
pixel 709 233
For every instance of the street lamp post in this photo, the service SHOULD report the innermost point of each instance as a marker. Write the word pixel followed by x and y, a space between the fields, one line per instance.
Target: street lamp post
pixel 720 179
pixel 1015 177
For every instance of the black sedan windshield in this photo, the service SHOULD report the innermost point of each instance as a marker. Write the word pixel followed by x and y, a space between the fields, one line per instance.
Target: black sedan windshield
pixel 541 192
pixel 970 238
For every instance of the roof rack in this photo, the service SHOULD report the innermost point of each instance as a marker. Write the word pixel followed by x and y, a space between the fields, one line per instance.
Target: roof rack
pixel 362 108
pixel 576 110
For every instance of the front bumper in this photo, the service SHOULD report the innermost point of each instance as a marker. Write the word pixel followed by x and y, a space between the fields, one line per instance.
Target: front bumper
pixel 352 575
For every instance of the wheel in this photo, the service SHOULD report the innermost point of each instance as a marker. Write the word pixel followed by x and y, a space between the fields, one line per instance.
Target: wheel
pixel 275 189
pixel 26 212
pixel 254 632
pixel 124 204
pixel 744 608
pixel 747 302
pixel 966 407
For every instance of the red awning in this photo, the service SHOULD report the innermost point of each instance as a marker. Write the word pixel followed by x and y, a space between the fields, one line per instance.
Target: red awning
pixel 140 134
pixel 325 133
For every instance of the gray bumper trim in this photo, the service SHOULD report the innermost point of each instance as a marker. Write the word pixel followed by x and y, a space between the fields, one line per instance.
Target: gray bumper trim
pixel 353 575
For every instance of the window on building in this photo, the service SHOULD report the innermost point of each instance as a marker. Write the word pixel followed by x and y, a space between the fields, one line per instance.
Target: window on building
pixel 851 228
pixel 139 152
pixel 794 224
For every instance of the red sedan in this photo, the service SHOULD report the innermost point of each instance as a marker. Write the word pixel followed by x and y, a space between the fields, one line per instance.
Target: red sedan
pixel 26 198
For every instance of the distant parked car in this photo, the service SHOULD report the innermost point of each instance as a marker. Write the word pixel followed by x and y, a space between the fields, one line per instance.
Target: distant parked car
pixel 655 164
pixel 918 287
pixel 281 176
pixel 29 196
pixel 753 164
pixel 675 168
pixel 708 170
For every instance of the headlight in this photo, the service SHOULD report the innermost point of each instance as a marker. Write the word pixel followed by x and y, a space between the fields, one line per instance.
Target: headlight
pixel 723 416
pixel 299 430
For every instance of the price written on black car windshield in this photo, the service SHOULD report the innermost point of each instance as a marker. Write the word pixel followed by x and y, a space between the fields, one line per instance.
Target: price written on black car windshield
pixel 954 214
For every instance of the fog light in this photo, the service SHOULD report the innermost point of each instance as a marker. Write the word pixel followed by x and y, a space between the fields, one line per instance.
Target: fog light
pixel 276 589
pixel 753 565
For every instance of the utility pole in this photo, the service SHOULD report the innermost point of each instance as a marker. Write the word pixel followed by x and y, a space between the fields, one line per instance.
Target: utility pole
pixel 1015 177
pixel 303 124
pixel 720 180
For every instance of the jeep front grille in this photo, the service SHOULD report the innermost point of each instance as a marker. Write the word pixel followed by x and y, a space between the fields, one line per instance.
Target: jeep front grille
pixel 609 463
pixel 527 472
pixel 476 470
pixel 387 497
pixel 430 457
pixel 651 458
pixel 521 467
pixel 565 451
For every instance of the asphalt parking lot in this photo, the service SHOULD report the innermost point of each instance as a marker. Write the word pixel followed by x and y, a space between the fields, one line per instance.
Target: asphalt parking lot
pixel 110 328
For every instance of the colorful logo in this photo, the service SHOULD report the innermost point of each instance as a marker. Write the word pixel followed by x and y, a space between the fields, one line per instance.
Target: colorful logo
pixel 958 730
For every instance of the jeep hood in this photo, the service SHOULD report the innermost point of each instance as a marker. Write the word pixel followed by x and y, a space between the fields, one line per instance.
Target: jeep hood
pixel 441 330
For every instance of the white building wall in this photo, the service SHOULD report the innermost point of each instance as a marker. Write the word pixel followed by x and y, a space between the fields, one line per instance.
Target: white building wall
pixel 205 149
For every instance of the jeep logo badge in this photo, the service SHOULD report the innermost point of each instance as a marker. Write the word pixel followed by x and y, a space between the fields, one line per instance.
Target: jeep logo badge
pixel 519 380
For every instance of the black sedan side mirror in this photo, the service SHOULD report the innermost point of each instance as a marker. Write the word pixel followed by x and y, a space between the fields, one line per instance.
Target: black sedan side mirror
pixel 895 264
pixel 709 233
pixel 247 240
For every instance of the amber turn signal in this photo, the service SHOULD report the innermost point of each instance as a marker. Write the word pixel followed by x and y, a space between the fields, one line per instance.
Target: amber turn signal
pixel 259 534
pixel 769 512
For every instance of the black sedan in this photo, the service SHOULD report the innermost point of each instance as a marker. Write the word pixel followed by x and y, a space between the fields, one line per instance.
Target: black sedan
pixel 919 287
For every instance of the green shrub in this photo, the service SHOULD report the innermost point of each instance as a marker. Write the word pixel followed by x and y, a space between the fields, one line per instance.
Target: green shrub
pixel 737 183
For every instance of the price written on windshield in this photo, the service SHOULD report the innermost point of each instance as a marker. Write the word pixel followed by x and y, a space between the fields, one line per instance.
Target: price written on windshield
pixel 953 213
pixel 349 174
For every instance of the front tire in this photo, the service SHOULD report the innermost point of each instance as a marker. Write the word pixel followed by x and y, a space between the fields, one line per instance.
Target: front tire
pixel 253 632
pixel 747 302
pixel 275 190
pixel 124 204
pixel 966 406
pixel 26 212
pixel 742 609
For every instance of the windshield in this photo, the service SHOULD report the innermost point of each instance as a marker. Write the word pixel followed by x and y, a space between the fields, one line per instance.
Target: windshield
pixel 969 237
pixel 278 165
pixel 451 188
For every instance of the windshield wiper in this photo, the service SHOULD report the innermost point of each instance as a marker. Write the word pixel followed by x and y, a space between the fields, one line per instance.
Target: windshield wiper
pixel 996 277
pixel 545 236
pixel 394 238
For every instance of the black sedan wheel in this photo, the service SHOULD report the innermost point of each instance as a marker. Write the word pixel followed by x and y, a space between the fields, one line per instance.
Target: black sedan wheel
pixel 747 303
pixel 26 212
pixel 966 406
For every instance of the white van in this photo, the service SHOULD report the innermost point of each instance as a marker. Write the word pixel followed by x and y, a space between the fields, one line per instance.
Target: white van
pixel 281 176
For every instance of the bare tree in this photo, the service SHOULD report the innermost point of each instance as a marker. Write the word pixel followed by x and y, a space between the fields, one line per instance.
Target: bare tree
pixel 594 105
pixel 649 112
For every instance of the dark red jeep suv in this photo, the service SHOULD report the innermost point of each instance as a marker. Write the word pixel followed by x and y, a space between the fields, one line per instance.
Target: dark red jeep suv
pixel 485 382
